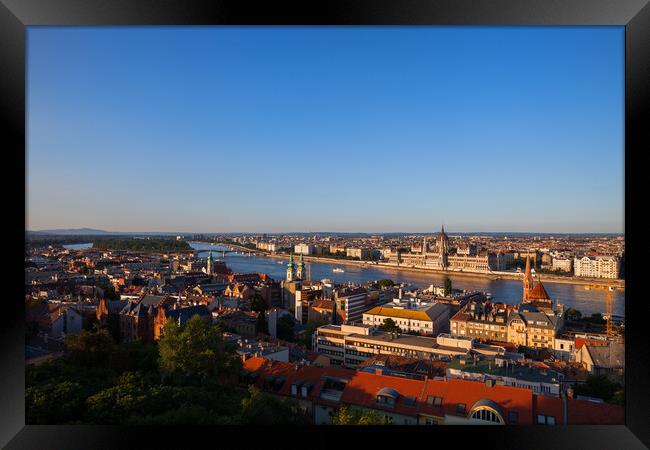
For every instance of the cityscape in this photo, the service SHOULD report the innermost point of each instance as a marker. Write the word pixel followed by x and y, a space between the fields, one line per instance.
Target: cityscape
pixel 378 351
pixel 470 263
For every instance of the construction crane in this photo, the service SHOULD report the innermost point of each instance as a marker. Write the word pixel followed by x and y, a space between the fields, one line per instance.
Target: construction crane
pixel 609 313
pixel 609 309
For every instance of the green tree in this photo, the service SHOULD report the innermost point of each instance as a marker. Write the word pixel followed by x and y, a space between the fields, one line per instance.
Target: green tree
pixel 595 318
pixel 260 408
pixel 54 402
pixel 186 414
pixel 134 356
pixel 134 394
pixel 385 282
pixel 390 326
pixel 310 329
pixel 600 386
pixel 108 291
pixel 197 352
pixel 285 326
pixel 257 303
pixel 346 416
pixel 261 326
pixel 90 348
pixel 573 315
pixel 447 286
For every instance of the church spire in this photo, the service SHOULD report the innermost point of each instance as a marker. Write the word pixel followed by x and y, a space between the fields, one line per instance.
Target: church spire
pixel 209 265
pixel 290 268
pixel 528 279
pixel 300 273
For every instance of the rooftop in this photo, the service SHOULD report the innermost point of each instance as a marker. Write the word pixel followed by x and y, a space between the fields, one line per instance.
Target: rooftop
pixel 427 312
pixel 519 371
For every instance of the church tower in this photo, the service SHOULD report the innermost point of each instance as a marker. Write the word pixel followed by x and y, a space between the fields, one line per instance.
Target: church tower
pixel 528 280
pixel 210 267
pixel 443 248
pixel 300 273
pixel 290 268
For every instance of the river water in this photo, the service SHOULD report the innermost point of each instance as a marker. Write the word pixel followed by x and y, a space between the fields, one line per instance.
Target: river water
pixel 507 291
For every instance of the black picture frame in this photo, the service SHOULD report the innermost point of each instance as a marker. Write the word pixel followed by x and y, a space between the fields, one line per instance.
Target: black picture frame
pixel 16 15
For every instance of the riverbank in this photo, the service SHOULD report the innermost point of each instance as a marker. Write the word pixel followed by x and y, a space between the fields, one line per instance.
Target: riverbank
pixel 617 284
pixel 581 297
pixel 595 283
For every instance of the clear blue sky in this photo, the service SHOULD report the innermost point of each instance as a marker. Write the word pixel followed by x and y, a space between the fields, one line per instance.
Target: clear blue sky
pixel 337 129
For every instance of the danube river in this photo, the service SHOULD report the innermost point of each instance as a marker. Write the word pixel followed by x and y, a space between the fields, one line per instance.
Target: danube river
pixel 507 291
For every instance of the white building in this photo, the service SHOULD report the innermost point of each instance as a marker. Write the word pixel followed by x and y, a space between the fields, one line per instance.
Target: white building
pixel 421 317
pixel 348 345
pixel 564 347
pixel 268 246
pixel 564 264
pixel 304 249
pixel 596 267
pixel 361 253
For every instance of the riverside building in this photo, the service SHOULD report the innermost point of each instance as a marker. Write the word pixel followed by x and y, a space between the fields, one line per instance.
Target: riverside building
pixel 596 267
pixel 348 345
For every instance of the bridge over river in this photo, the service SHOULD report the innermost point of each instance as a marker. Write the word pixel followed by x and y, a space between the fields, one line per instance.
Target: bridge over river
pixel 223 249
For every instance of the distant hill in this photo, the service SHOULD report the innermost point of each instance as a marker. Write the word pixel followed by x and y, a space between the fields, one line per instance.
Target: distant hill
pixel 72 231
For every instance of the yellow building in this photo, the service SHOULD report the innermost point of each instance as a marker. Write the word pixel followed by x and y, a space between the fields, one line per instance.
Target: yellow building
pixel 430 319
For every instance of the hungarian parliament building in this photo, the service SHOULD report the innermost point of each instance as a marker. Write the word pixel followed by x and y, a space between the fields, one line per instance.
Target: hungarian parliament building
pixel 441 257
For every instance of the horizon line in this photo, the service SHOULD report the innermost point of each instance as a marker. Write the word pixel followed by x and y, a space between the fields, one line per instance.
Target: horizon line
pixel 52 230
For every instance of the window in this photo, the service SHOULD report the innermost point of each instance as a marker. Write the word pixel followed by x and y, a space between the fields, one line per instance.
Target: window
pixel 513 417
pixel 486 415
pixel 545 420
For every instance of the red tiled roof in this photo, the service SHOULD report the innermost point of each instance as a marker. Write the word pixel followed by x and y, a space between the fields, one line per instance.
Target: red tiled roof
pixel 538 293
pixel 583 412
pixel 469 392
pixel 363 388
pixel 582 341
pixel 549 406
pixel 311 374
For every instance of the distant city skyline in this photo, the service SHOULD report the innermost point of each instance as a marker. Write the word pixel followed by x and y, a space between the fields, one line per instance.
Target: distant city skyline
pixel 85 231
pixel 359 129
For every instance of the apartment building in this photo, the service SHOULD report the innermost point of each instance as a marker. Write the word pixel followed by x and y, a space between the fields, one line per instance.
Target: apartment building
pixel 525 326
pixel 596 267
pixel 337 248
pixel 487 321
pixel 361 253
pixel 303 249
pixel 351 304
pixel 321 391
pixel 563 264
pixel 500 371
pixel 268 246
pixel 348 345
pixel 429 319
